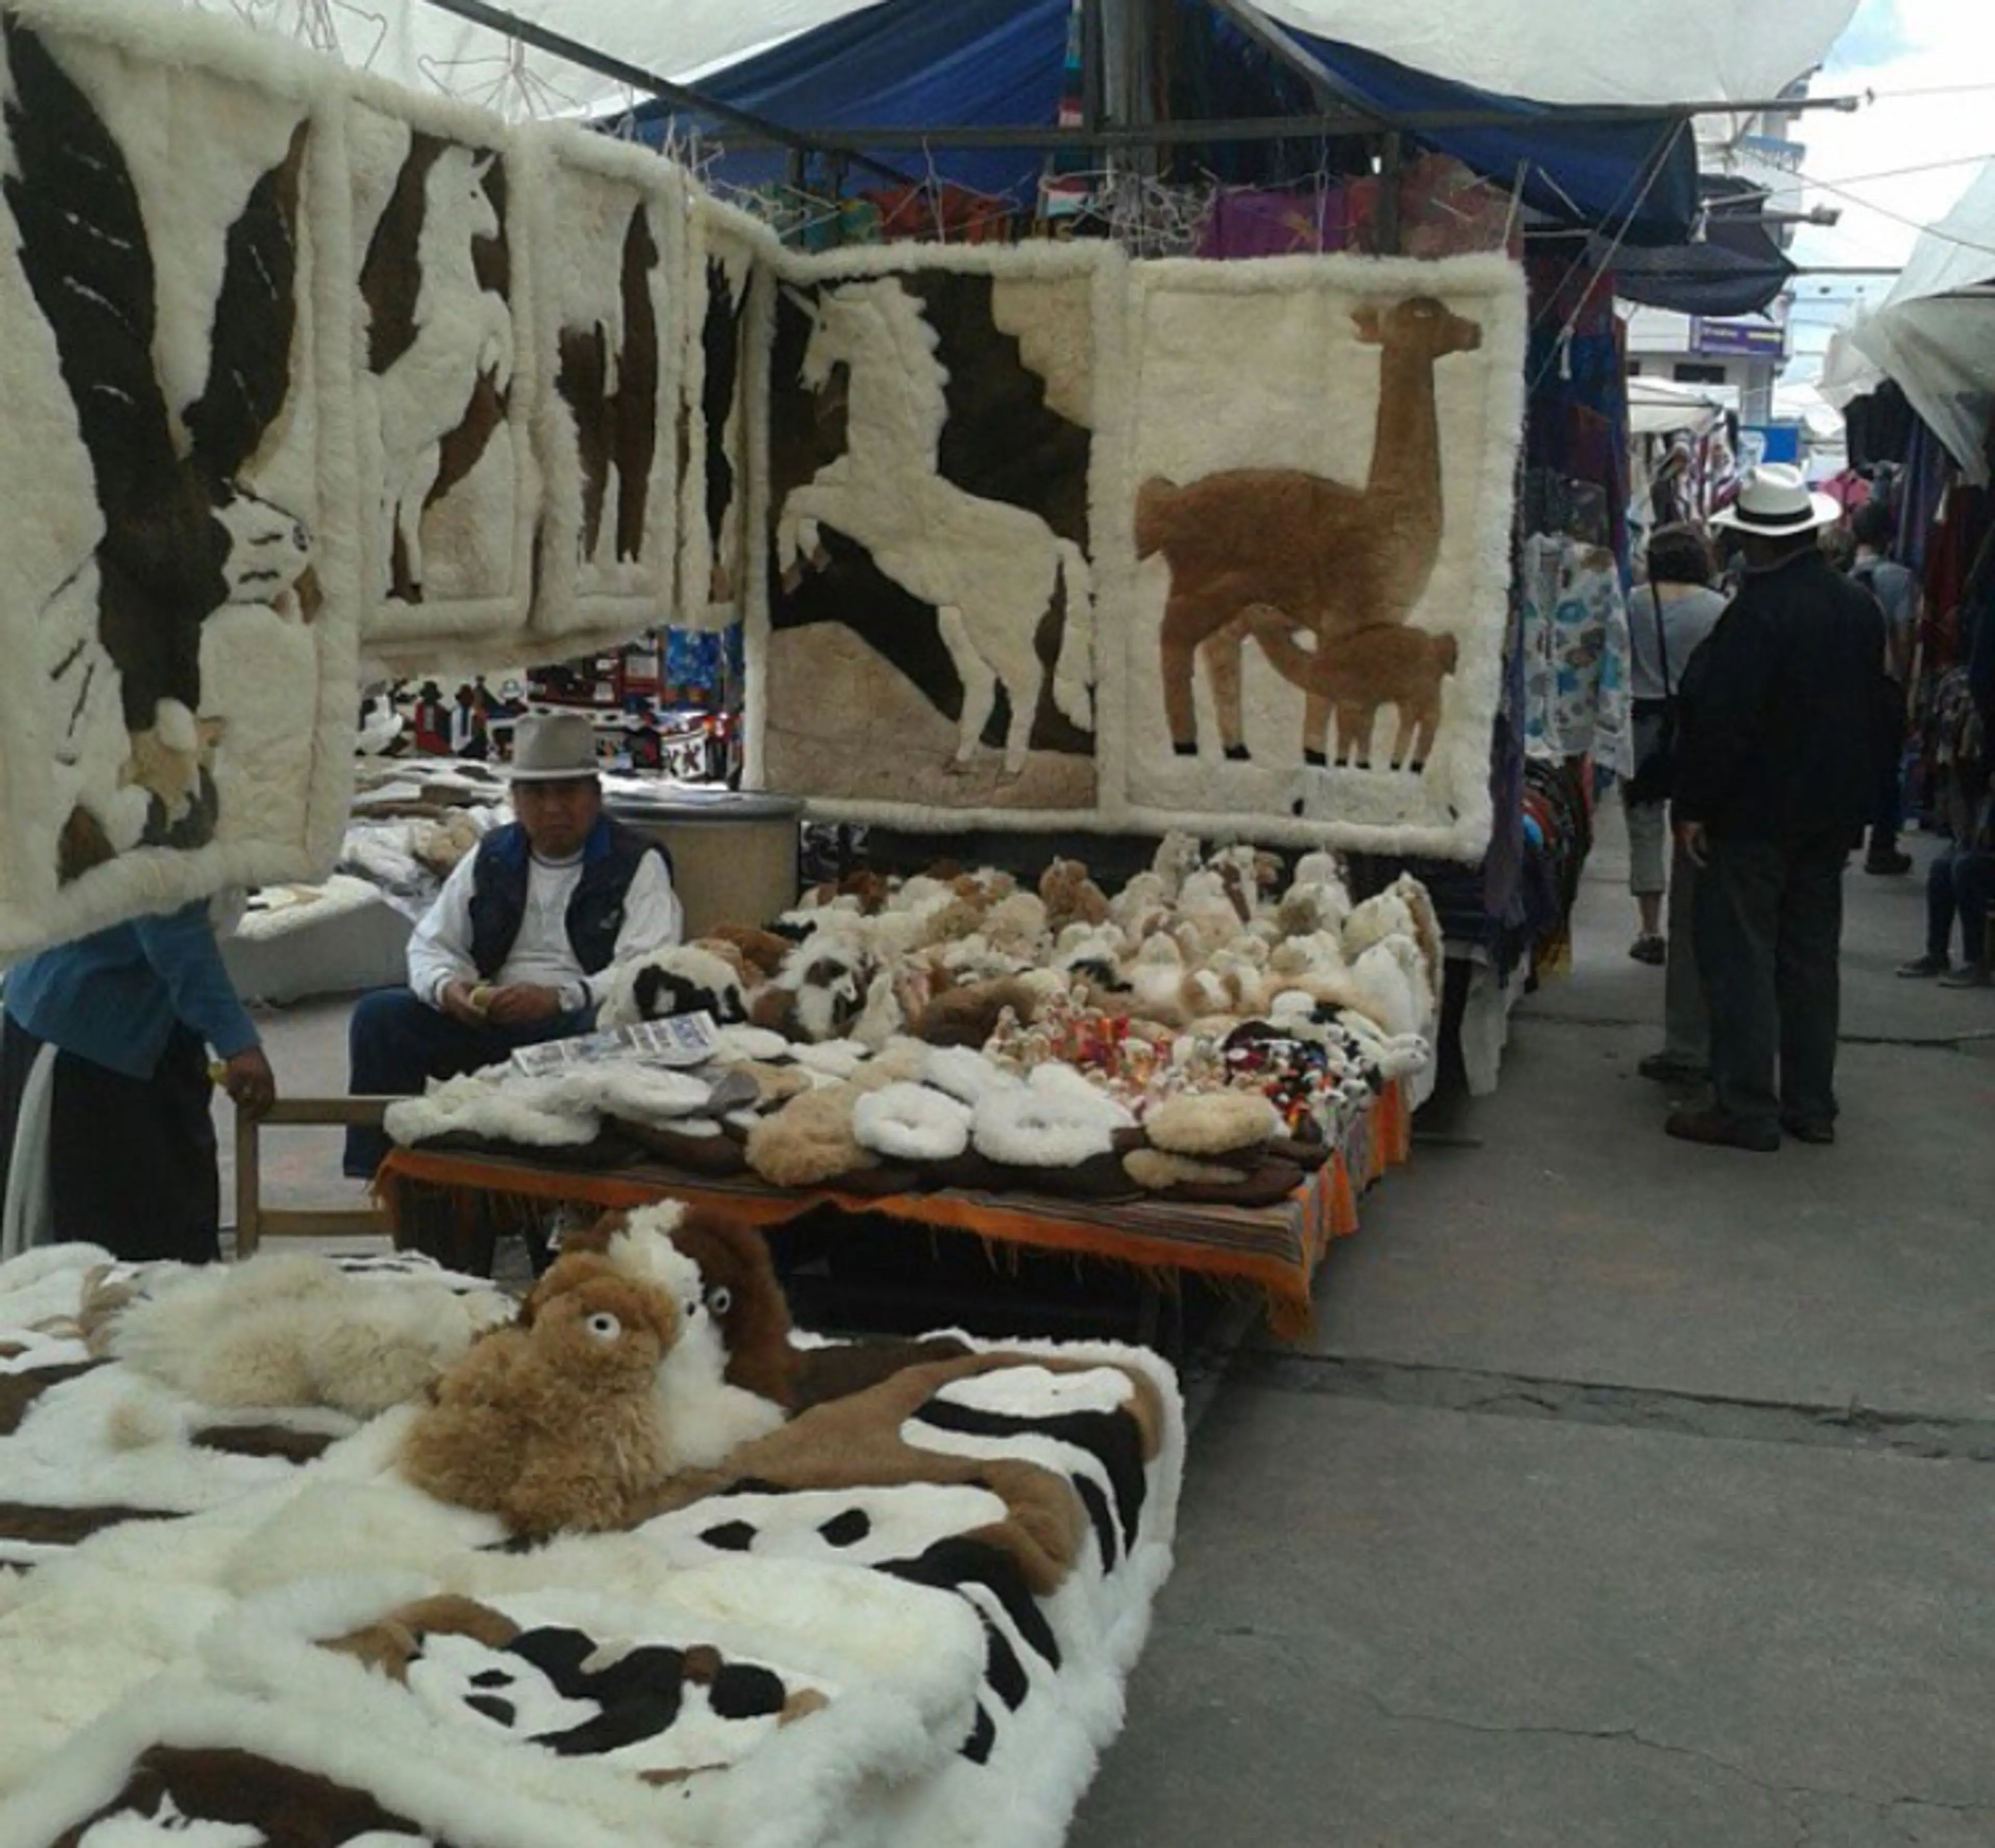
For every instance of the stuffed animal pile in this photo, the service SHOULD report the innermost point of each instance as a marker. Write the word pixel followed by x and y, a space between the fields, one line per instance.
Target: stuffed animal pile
pixel 1207 1033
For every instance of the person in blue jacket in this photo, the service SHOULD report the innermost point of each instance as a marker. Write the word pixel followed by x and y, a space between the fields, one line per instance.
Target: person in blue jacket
pixel 106 1133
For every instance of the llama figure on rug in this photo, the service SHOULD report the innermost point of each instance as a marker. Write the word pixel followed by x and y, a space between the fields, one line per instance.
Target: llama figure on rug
pixel 1356 675
pixel 463 332
pixel 1331 557
pixel 989 568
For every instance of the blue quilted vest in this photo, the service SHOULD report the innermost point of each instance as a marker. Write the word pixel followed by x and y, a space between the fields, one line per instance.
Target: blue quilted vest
pixel 610 860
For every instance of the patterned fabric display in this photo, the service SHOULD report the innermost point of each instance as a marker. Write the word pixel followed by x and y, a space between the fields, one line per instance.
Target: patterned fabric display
pixel 1575 653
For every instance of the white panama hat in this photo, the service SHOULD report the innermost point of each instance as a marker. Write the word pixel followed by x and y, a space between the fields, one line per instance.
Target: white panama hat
pixel 549 747
pixel 1774 499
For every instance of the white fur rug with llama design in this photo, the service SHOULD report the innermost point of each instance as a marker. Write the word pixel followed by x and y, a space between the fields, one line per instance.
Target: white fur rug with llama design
pixel 1313 567
pixel 609 232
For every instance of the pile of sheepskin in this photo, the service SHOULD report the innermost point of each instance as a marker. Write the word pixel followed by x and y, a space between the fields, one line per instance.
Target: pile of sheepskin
pixel 892 1035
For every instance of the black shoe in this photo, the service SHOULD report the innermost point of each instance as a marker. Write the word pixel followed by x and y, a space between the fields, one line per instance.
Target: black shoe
pixel 1716 1130
pixel 1650 948
pixel 1888 865
pixel 1809 1128
pixel 1923 968
pixel 1969 975
pixel 1669 1068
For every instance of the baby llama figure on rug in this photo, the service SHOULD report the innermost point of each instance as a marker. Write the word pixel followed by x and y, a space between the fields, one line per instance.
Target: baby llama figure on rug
pixel 554 1424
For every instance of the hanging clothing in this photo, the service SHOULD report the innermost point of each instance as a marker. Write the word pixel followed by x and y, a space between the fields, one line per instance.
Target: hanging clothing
pixel 1576 653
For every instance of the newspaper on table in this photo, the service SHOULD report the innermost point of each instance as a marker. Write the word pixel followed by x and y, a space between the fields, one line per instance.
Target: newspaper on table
pixel 677 1041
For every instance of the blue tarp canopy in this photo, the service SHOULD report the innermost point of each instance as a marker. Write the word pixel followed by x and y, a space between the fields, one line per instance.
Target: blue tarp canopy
pixel 1002 63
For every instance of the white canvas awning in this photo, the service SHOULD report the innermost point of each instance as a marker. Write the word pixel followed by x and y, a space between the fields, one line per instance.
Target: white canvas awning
pixel 1935 331
pixel 1554 51
pixel 1657 408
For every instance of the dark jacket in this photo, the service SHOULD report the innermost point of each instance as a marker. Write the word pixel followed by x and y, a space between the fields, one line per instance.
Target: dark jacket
pixel 1782 710
pixel 610 860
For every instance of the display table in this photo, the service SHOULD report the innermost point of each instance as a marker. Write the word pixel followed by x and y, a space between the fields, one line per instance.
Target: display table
pixel 1275 1249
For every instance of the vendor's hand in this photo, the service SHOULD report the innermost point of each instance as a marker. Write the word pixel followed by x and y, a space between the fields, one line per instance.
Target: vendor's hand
pixel 248 1079
pixel 523 1004
pixel 457 1000
pixel 1696 843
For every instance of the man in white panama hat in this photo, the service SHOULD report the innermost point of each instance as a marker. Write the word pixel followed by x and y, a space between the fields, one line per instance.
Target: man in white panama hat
pixel 1776 779
pixel 514 948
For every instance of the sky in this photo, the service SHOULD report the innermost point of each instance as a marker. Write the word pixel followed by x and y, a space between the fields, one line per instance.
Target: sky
pixel 1931 65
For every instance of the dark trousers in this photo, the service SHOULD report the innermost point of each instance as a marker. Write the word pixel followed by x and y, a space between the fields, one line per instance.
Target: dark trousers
pixel 1961 884
pixel 1769 939
pixel 395 1043
pixel 131 1159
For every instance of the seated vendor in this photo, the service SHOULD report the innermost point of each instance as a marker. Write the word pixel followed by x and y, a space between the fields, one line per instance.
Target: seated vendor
pixel 514 949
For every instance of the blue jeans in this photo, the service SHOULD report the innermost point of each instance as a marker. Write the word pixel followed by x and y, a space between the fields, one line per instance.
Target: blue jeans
pixel 395 1043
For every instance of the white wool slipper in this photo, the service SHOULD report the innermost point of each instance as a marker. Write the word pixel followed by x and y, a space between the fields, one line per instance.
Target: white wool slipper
pixel 1154 1170
pixel 911 1122
pixel 1022 1128
pixel 834 1059
pixel 641 1093
pixel 1216 1123
pixel 965 1074
pixel 1079 1096
pixel 733 1043
pixel 529 1111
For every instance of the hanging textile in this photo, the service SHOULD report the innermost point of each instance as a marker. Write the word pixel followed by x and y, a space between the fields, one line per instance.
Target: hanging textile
pixel 1576 652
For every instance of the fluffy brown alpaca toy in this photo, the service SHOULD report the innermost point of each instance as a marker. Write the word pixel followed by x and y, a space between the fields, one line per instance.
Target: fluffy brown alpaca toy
pixel 552 1424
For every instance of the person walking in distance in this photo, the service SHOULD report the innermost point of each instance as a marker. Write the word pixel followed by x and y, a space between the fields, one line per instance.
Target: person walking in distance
pixel 1776 781
pixel 1898 594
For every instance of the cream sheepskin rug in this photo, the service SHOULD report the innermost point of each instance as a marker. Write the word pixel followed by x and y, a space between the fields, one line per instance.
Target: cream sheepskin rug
pixel 788 1653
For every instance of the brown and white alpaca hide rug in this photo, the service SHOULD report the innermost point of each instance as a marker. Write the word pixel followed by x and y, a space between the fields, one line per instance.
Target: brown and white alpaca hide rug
pixel 178 595
pixel 1317 554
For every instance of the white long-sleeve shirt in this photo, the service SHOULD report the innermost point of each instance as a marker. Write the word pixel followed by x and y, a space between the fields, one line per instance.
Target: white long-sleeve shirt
pixel 440 951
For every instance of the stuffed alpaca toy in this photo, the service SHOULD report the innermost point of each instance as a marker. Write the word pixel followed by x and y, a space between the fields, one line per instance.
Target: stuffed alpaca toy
pixel 729 1377
pixel 555 1424
pixel 687 978
pixel 1070 896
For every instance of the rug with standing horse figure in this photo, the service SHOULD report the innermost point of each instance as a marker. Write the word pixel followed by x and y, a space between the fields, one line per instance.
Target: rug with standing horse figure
pixel 929 646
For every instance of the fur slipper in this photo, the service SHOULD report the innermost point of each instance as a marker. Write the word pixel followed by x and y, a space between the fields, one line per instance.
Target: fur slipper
pixel 1182 1181
pixel 834 1058
pixel 641 1093
pixel 734 1045
pixel 809 1142
pixel 523 1113
pixel 1216 1123
pixel 966 1076
pixel 911 1122
pixel 1027 1129
pixel 1064 1085
pixel 698 1144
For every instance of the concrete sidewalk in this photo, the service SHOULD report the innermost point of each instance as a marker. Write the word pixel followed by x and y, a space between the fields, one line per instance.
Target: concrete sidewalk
pixel 1628 1492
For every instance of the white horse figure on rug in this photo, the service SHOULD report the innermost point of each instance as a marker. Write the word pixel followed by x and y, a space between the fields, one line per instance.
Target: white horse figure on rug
pixel 464 331
pixel 989 568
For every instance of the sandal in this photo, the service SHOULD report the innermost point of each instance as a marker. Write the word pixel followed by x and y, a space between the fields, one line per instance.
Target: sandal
pixel 1654 951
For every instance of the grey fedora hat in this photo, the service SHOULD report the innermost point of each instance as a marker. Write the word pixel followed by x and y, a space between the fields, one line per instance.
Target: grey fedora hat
pixel 551 746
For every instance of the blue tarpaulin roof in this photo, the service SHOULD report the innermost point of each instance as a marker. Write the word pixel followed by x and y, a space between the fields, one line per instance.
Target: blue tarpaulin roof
pixel 974 63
